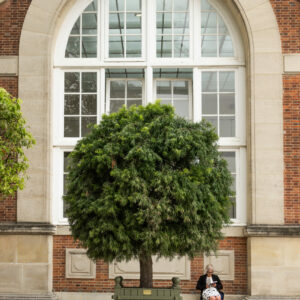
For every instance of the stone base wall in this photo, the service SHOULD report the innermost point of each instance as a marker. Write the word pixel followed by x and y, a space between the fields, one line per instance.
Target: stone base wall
pixel 103 283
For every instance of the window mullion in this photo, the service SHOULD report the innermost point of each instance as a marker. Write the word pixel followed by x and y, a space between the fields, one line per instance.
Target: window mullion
pixel 149 85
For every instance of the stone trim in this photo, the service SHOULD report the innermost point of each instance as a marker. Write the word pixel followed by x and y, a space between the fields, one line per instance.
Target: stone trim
pixel 273 230
pixel 291 63
pixel 9 65
pixel 28 297
pixel 272 298
pixel 27 229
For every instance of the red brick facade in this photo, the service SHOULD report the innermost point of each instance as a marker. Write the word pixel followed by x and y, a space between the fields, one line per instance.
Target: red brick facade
pixel 103 284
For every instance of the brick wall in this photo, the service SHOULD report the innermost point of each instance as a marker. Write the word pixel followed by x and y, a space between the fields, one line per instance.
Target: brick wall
pixel 103 284
pixel 8 206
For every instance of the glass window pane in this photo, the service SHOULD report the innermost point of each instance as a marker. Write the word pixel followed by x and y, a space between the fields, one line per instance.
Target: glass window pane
pixel 72 82
pixel 222 26
pixel 227 82
pixel 86 123
pixel 134 102
pixel 181 5
pixel 115 105
pixel 116 46
pixel 133 5
pixel 134 46
pixel 205 5
pixel 209 81
pixel 117 89
pixel 89 23
pixel 133 23
pixel 227 104
pixel 181 46
pixel 164 23
pixel 115 5
pixel 73 47
pixel 213 121
pixel 66 161
pixel 89 82
pixel 89 46
pixel 232 210
pixel 71 105
pixel 225 46
pixel 164 46
pixel 76 27
pixel 116 23
pixel 93 6
pixel 71 127
pixel 182 108
pixel 134 89
pixel 209 22
pixel 181 23
pixel 163 89
pixel 89 105
pixel 166 102
pixel 227 126
pixel 230 158
pixel 164 5
pixel 209 104
pixel 181 89
pixel 209 46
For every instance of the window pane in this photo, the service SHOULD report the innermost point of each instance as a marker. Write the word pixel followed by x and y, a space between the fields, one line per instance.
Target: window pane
pixel 134 46
pixel 227 126
pixel 205 5
pixel 76 27
pixel 164 46
pixel 72 82
pixel 117 89
pixel 209 81
pixel 66 161
pixel 115 105
pixel 182 108
pixel 225 46
pixel 93 6
pixel 73 47
pixel 71 105
pixel 210 104
pixel 209 22
pixel 181 46
pixel 115 5
pixel 213 121
pixel 230 158
pixel 89 105
pixel 116 46
pixel 227 82
pixel 227 104
pixel 164 23
pixel 71 127
pixel 181 89
pixel 209 46
pixel 89 46
pixel 181 23
pixel 86 122
pixel 222 27
pixel 89 23
pixel 133 23
pixel 134 5
pixel 166 102
pixel 181 5
pixel 163 89
pixel 134 89
pixel 232 210
pixel 89 82
pixel 164 5
pixel 116 23
pixel 134 102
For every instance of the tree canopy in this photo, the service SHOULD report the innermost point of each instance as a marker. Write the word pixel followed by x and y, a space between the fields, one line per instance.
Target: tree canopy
pixel 14 139
pixel 146 182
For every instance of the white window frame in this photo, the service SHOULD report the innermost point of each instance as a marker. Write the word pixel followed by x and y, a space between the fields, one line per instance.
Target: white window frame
pixel 148 62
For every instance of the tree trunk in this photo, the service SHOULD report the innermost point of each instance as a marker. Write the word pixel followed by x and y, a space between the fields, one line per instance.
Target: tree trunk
pixel 146 271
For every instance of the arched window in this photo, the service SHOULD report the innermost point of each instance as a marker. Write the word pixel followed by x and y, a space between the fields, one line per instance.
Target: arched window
pixel 187 53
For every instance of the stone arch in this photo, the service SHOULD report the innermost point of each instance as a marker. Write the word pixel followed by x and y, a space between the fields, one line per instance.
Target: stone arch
pixel 265 133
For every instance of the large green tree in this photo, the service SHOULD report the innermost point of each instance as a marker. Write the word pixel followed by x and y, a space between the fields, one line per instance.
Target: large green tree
pixel 146 182
pixel 14 139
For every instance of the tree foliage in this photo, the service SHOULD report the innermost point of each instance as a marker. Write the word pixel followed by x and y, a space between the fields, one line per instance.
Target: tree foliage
pixel 14 138
pixel 146 182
